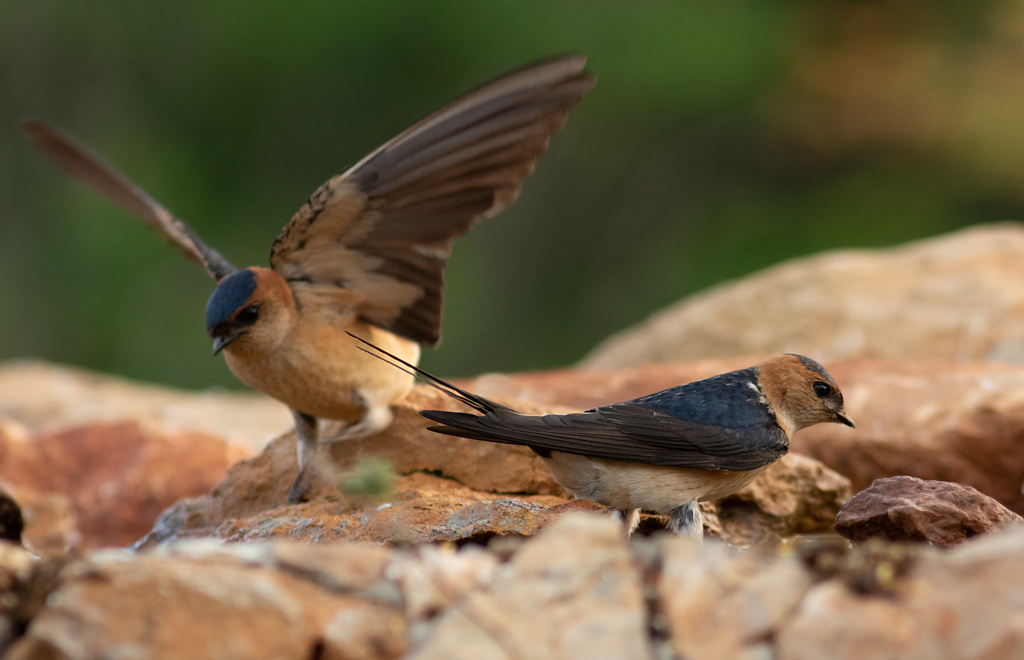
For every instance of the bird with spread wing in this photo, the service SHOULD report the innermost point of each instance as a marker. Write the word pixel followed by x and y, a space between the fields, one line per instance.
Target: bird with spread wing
pixel 365 254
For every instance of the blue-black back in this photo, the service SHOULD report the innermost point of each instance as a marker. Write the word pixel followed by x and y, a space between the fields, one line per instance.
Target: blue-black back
pixel 232 292
pixel 729 400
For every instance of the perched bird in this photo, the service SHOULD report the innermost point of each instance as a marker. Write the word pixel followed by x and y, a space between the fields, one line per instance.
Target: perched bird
pixel 666 451
pixel 366 253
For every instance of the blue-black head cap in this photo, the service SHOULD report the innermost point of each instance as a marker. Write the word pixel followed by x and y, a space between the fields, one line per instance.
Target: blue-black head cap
pixel 231 293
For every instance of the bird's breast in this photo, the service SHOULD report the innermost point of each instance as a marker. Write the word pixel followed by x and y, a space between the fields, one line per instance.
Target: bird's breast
pixel 620 485
pixel 319 370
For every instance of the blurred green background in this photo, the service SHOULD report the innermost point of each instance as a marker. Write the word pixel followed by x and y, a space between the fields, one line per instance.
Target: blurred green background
pixel 721 138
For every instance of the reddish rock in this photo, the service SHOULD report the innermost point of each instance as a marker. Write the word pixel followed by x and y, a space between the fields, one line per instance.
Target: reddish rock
pixel 117 477
pixel 421 508
pixel 51 527
pixel 909 509
pixel 962 423
pixel 410 447
pixel 45 397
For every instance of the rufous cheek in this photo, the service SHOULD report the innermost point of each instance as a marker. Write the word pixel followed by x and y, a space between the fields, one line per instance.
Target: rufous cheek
pixel 271 286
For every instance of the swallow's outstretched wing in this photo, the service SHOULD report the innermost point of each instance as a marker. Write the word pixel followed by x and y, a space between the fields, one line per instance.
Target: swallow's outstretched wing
pixel 80 162
pixel 629 431
pixel 383 229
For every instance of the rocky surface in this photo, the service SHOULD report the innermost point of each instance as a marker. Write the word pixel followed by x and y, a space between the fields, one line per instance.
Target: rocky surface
pixel 454 489
pixel 44 397
pixel 577 589
pixel 909 509
pixel 958 422
pixel 956 297
pixel 112 480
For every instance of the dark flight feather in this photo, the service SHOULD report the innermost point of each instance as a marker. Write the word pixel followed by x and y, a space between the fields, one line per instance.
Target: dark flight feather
pixel 392 217
pixel 80 162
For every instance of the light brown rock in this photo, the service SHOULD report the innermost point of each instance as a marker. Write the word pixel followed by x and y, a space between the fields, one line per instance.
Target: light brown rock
pixel 117 478
pixel 208 603
pixel 909 509
pixel 571 592
pixel 796 495
pixel 422 508
pixel 51 526
pixel 46 397
pixel 931 420
pixel 956 297
pixel 433 578
pixel 960 604
pixel 722 603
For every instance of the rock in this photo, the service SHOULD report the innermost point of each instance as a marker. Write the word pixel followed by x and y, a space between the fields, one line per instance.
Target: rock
pixel 262 482
pixel 721 603
pixel 796 495
pixel 954 298
pixel 572 592
pixel 946 421
pixel 931 420
pixel 909 509
pixel 117 478
pixel 51 527
pixel 959 604
pixel 433 578
pixel 11 521
pixel 45 397
pixel 422 508
pixel 208 602
pixel 16 568
pixel 410 447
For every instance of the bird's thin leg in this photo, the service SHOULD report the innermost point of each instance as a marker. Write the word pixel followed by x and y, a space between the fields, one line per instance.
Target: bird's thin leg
pixel 686 520
pixel 629 518
pixel 377 416
pixel 306 446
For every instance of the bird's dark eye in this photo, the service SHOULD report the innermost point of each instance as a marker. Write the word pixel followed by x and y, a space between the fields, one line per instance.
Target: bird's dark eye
pixel 249 314
pixel 822 389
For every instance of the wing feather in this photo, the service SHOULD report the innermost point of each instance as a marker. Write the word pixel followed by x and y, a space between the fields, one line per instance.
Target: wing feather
pixel 642 436
pixel 80 162
pixel 384 228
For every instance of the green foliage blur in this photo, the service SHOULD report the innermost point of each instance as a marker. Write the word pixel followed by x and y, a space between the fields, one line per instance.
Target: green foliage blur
pixel 722 137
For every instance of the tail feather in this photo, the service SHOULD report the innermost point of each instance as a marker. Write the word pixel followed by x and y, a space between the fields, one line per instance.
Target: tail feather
pixel 474 401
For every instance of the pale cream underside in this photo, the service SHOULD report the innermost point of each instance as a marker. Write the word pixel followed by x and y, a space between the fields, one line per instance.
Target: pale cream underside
pixel 623 486
pixel 318 369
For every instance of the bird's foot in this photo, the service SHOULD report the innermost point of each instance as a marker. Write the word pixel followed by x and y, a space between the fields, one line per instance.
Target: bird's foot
pixel 686 521
pixel 629 518
pixel 300 487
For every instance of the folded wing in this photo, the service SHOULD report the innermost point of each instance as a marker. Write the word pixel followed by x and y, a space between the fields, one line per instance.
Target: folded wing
pixel 80 162
pixel 384 228
pixel 623 432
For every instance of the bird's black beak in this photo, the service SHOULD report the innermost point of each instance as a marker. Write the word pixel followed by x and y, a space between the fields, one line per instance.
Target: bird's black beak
pixel 220 342
pixel 842 418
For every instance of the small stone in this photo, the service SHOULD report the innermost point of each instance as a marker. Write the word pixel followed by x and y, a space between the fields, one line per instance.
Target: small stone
pixel 910 509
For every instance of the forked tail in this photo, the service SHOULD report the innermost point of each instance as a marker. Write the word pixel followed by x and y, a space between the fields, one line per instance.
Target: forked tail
pixel 474 401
